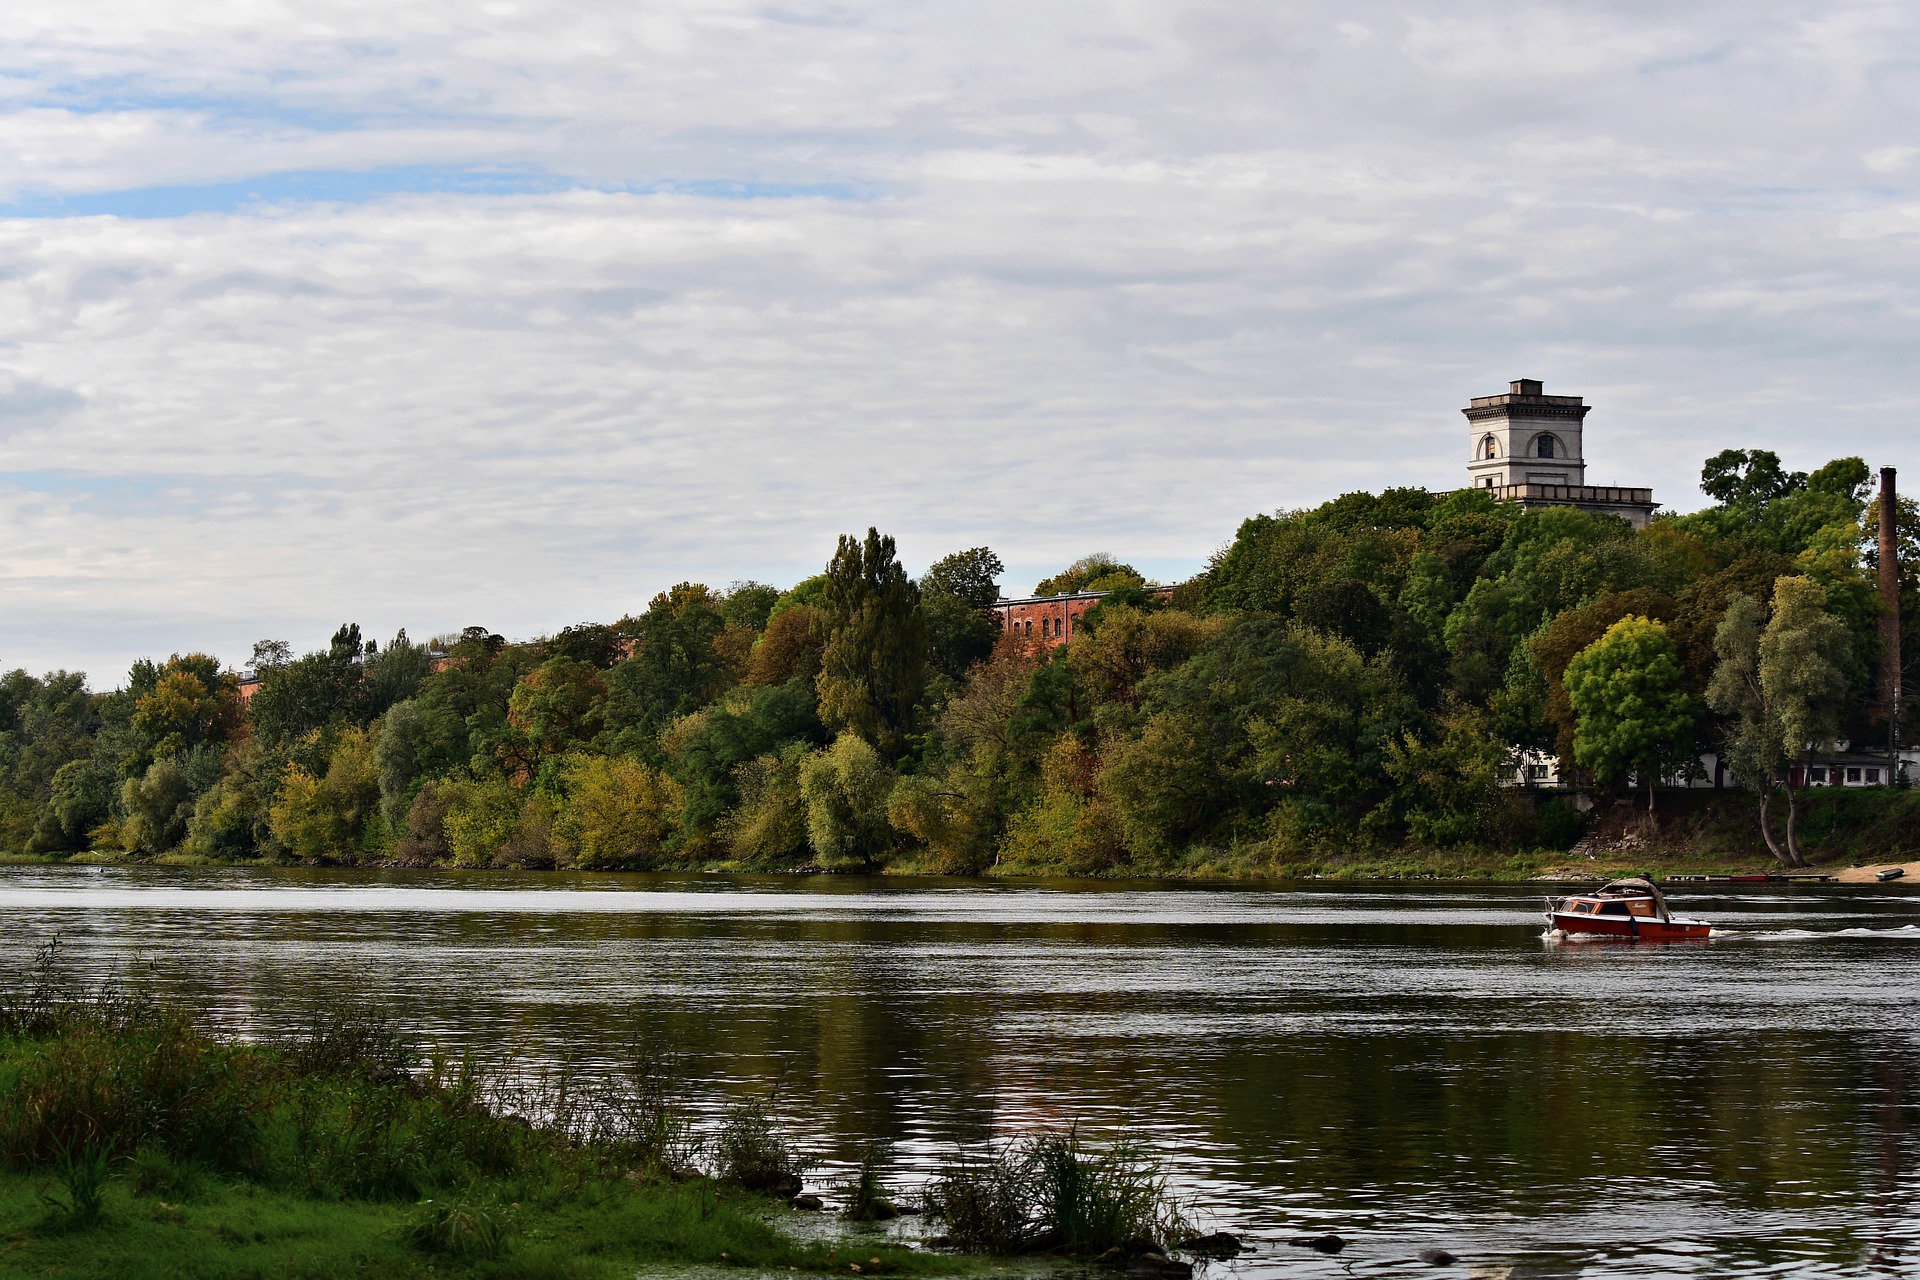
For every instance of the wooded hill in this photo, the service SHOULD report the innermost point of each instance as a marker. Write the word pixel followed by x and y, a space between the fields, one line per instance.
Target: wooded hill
pixel 1350 677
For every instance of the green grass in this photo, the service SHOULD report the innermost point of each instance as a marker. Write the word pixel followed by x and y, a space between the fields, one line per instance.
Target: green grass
pixel 227 1231
pixel 137 1141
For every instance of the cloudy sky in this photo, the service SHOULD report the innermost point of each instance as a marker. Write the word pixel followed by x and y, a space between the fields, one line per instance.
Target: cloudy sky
pixel 428 314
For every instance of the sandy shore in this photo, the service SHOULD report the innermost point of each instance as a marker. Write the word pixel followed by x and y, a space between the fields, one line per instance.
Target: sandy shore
pixel 1868 874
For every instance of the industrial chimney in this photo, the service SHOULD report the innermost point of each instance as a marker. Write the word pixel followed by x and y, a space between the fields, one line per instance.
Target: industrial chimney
pixel 1890 613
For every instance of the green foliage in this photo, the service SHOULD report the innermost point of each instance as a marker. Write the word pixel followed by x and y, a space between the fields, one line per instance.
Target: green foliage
pixel 768 827
pixel 1340 681
pixel 335 817
pixel 1632 713
pixel 619 813
pixel 675 668
pixel 158 806
pixel 557 705
pixel 82 1169
pixel 1055 1192
pixel 340 1151
pixel 1096 572
pixel 1802 656
pixel 1448 784
pixel 750 1150
pixel 954 595
pixel 866 1193
pixel 846 788
pixel 460 1228
pixel 874 666
pixel 971 576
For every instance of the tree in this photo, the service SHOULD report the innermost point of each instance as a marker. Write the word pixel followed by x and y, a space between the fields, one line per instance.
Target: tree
pixel 313 692
pixel 674 669
pixel 846 788
pixel 1450 783
pixel 559 703
pixel 954 597
pixel 1803 655
pixel 1632 713
pixel 158 805
pixel 191 703
pixel 619 813
pixel 1096 572
pixel 789 648
pixel 971 575
pixel 874 666
pixel 1752 739
pixel 594 643
pixel 749 604
pixel 1748 479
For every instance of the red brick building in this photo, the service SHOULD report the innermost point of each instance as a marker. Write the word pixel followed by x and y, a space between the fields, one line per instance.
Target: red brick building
pixel 1051 620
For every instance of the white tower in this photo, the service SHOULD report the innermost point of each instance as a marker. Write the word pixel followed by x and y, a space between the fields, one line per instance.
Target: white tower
pixel 1525 437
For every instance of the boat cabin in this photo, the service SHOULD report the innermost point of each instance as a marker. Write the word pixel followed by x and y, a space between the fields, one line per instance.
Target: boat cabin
pixel 1634 897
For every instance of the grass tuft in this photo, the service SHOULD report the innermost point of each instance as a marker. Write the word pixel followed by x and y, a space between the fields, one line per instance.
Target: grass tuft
pixel 1055 1193
pixel 866 1194
pixel 460 1229
pixel 83 1171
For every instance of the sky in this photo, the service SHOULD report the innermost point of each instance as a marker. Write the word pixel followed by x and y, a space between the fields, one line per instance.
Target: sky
pixel 429 314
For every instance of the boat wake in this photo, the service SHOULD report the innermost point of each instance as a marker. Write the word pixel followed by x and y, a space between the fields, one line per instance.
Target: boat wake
pixel 1908 931
pixel 1801 935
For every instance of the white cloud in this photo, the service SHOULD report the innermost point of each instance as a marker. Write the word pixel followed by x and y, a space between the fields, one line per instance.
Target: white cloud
pixel 1108 275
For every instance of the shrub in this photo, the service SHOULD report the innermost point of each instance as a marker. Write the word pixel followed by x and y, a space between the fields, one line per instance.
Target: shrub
pixel 459 1229
pixel 751 1152
pixel 482 815
pixel 985 1197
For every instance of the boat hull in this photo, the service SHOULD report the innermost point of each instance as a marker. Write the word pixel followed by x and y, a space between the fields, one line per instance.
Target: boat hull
pixel 1631 927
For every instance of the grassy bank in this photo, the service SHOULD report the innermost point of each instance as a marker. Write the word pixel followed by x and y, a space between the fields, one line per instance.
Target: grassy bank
pixel 211 1226
pixel 136 1140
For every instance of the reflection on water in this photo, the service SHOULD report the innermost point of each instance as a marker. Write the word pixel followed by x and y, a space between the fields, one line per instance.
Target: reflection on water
pixel 1410 1068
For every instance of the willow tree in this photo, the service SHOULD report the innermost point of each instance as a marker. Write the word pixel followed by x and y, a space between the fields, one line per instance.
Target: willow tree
pixel 1781 683
pixel 1802 657
pixel 1753 741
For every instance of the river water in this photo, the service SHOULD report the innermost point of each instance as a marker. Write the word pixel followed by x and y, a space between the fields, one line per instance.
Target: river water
pixel 1407 1067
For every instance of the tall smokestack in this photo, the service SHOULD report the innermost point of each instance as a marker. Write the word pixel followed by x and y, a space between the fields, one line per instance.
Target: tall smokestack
pixel 1890 610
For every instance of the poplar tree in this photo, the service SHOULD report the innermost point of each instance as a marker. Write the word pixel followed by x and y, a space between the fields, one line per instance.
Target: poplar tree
pixel 874 667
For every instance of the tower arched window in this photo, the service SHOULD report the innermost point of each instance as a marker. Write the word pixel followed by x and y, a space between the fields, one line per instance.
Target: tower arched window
pixel 1489 448
pixel 1544 446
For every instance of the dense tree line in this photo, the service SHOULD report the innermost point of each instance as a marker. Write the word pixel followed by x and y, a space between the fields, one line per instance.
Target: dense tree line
pixel 1360 674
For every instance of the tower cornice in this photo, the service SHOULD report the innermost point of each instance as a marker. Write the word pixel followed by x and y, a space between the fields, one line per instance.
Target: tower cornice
pixel 1492 408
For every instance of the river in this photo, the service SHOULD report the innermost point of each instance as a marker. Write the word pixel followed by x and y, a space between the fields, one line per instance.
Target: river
pixel 1410 1067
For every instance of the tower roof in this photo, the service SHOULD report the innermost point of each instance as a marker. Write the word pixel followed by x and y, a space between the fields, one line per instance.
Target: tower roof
pixel 1526 398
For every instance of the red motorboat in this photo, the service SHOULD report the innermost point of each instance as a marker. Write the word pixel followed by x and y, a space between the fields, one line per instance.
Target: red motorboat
pixel 1623 909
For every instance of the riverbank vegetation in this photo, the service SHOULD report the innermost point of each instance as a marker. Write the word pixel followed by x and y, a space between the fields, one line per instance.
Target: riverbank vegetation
pixel 1356 683
pixel 136 1139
